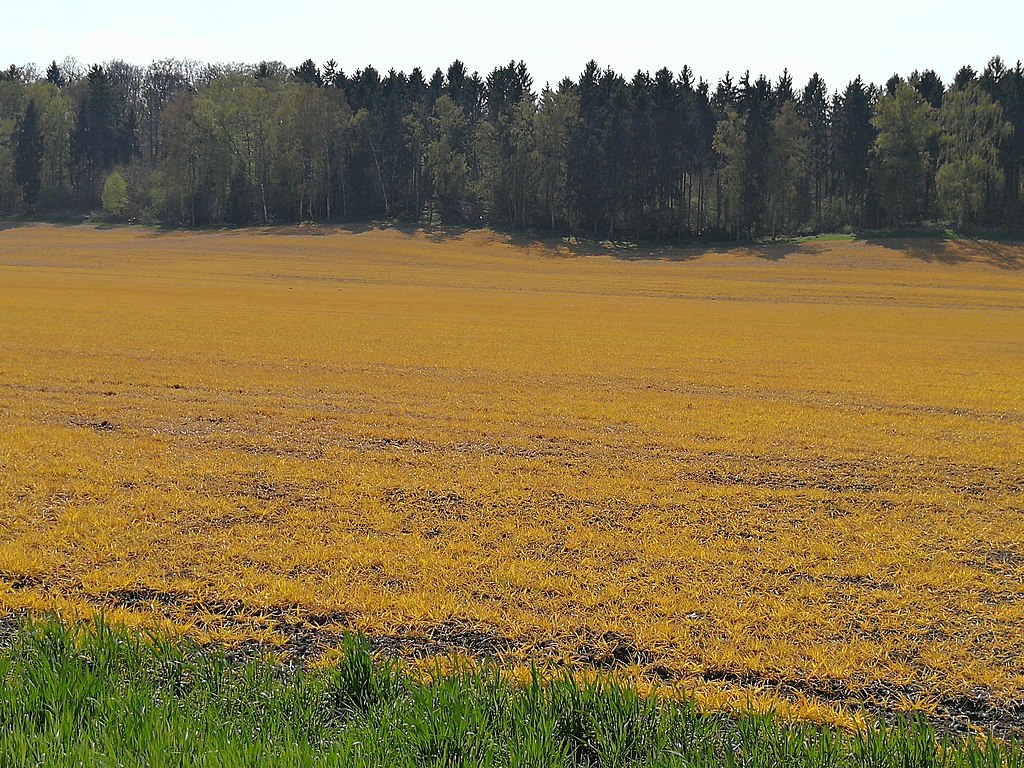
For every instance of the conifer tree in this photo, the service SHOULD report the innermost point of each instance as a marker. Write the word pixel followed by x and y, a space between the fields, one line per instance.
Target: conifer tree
pixel 55 76
pixel 28 156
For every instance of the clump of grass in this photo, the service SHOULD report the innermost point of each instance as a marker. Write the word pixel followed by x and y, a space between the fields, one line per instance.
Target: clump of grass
pixel 98 695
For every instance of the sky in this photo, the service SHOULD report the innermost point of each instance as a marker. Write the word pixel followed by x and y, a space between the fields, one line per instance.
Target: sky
pixel 872 38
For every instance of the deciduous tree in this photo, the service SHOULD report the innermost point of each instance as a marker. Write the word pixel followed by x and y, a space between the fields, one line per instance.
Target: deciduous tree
pixel 905 124
pixel 970 176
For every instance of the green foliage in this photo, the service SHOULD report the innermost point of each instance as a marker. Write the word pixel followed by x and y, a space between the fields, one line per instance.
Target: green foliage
pixel 556 113
pixel 115 194
pixel 447 163
pixel 730 144
pixel 787 160
pixel 814 109
pixel 505 142
pixel 906 124
pixel 104 134
pixel 12 108
pixel 96 695
pixel 56 124
pixel 970 175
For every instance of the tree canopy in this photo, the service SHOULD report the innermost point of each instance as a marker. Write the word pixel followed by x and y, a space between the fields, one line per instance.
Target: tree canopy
pixel 661 156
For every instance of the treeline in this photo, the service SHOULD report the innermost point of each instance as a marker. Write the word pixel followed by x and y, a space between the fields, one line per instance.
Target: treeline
pixel 663 156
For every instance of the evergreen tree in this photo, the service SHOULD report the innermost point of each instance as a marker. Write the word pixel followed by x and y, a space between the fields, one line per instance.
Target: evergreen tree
pixel 308 72
pixel 586 153
pixel 437 85
pixel 853 137
pixel 784 90
pixel 699 153
pixel 419 106
pixel 814 110
pixel 640 159
pixel 55 76
pixel 94 143
pixel 263 71
pixel 505 142
pixel 757 105
pixel 670 129
pixel 930 86
pixel 662 156
pixel 1006 87
pixel 964 77
pixel 28 156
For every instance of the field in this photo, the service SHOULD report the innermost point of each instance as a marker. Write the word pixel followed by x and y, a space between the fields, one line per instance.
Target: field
pixel 791 475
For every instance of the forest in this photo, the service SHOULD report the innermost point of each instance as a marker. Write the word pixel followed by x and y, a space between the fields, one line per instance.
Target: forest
pixel 663 157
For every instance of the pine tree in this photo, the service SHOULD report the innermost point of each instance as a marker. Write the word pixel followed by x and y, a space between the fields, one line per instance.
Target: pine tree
pixel 55 76
pixel 964 77
pixel 671 126
pixel 853 138
pixel 757 105
pixel 308 72
pixel 586 153
pixel 930 86
pixel 814 110
pixel 94 143
pixel 28 156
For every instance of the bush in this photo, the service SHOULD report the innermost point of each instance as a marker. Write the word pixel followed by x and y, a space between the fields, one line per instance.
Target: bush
pixel 115 195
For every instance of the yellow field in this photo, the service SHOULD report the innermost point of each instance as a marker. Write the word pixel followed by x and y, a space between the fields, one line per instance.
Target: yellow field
pixel 794 473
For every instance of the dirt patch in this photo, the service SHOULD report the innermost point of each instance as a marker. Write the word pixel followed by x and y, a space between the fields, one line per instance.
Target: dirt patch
pixel 445 639
pixel 18 581
pixel 997 561
pixel 97 426
pixel 860 581
pixel 611 650
pixel 957 715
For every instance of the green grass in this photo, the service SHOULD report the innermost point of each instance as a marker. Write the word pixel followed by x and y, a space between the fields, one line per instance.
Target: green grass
pixel 100 696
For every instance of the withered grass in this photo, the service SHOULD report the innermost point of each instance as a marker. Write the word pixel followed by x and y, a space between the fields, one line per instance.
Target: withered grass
pixel 790 474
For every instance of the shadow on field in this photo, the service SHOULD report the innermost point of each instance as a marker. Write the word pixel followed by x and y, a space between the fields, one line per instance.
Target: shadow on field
pixel 925 245
pixel 781 251
pixel 941 249
pixel 1003 255
pixel 571 247
pixel 933 249
pixel 438 233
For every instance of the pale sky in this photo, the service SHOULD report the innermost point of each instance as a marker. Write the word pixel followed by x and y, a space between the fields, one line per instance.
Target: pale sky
pixel 873 38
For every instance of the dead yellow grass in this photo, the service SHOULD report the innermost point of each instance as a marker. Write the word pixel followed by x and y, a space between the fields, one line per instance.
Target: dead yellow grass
pixel 795 472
